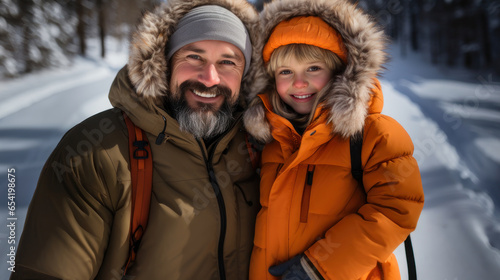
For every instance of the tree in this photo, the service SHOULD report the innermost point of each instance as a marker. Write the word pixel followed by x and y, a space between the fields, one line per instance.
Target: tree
pixel 26 15
pixel 35 34
pixel 10 32
pixel 455 32
pixel 81 26
pixel 101 10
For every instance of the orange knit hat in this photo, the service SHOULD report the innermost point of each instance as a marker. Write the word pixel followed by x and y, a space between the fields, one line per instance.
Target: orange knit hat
pixel 305 30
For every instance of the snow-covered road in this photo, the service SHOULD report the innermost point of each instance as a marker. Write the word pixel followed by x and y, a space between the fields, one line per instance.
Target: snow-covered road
pixel 453 117
pixel 455 126
pixel 36 111
pixel 457 228
pixel 34 124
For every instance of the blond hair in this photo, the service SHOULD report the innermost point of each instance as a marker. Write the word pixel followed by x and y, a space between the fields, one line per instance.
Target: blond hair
pixel 302 53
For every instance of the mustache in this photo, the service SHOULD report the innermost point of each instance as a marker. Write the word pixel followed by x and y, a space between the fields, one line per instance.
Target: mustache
pixel 200 87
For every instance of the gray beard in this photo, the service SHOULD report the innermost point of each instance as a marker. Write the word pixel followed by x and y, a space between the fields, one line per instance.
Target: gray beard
pixel 203 122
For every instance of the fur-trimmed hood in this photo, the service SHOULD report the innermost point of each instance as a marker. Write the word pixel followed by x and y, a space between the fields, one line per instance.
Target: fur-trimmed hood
pixel 147 65
pixel 348 97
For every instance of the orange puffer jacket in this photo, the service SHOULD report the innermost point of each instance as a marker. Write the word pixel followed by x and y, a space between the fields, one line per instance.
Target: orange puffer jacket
pixel 347 232
pixel 310 202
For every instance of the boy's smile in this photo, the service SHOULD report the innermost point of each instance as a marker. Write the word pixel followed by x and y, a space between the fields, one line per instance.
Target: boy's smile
pixel 297 83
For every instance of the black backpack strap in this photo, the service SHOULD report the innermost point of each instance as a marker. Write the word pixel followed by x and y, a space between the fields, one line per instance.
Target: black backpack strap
pixel 410 259
pixel 356 167
pixel 356 144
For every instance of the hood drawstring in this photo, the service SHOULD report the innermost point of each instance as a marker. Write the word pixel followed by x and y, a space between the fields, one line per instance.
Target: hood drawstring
pixel 248 202
pixel 161 136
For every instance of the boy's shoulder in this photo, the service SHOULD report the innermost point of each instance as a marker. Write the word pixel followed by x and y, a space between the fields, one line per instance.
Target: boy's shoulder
pixel 382 123
pixel 380 128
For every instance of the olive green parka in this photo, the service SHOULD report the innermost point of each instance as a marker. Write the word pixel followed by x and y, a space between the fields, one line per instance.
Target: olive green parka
pixel 203 202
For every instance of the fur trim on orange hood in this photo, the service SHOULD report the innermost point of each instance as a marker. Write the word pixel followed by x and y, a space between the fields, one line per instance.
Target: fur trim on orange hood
pixel 349 96
pixel 147 66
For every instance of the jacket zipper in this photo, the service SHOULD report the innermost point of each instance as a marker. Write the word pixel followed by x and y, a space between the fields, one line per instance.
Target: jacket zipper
pixel 222 208
pixel 220 200
pixel 306 195
pixel 223 224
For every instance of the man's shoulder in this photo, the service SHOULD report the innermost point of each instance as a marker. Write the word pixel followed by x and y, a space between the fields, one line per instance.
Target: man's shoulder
pixel 101 135
pixel 103 119
pixel 99 127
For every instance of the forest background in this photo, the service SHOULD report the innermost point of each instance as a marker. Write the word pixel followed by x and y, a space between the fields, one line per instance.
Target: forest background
pixel 36 34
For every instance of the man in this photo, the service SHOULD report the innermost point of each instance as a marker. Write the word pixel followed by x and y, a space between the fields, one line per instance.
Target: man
pixel 183 87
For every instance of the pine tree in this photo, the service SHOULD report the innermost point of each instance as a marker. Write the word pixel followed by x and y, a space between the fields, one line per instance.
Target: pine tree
pixel 10 30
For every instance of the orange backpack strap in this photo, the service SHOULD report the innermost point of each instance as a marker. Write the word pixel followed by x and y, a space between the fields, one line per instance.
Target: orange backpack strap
pixel 141 170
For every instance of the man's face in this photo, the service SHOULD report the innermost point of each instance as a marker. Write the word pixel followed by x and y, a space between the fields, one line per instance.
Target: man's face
pixel 205 83
pixel 211 65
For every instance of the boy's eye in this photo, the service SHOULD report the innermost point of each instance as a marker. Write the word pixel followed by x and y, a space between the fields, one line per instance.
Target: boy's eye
pixel 314 68
pixel 285 72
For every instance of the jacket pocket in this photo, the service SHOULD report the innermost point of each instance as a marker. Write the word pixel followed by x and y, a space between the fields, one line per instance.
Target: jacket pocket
pixel 247 200
pixel 306 195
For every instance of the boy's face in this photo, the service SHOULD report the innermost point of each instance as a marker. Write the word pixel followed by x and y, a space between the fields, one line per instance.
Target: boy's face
pixel 298 83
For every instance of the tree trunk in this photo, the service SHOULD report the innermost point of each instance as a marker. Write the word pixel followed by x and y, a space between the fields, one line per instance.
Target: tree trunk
pixel 80 28
pixel 414 25
pixel 102 26
pixel 486 41
pixel 25 8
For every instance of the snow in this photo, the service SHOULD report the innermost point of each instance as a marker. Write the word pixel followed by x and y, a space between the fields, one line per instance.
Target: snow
pixel 439 89
pixel 452 240
pixel 36 110
pixel 431 148
pixel 30 97
pixel 487 145
pixel 452 116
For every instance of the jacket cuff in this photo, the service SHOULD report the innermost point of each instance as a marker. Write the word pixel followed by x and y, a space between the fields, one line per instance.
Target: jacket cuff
pixel 310 269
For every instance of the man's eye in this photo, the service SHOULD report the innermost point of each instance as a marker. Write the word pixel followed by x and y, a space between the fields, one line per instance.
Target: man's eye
pixel 194 56
pixel 228 62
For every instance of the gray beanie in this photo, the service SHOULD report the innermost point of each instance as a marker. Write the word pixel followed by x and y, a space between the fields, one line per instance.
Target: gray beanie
pixel 211 22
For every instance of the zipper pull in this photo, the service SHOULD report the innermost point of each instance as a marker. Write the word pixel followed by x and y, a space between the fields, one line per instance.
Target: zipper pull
pixel 161 136
pixel 309 176
pixel 248 202
pixel 306 195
